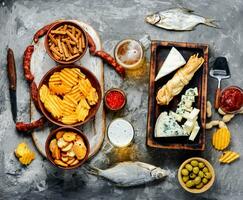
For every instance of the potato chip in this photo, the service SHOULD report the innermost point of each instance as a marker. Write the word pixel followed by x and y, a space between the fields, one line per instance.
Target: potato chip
pixel 55 78
pixel 44 93
pixel 80 151
pixel 59 134
pixel 92 97
pixel 221 138
pixel 69 77
pixel 53 145
pixel 27 157
pixel 228 157
pixel 75 162
pixel 69 119
pixel 60 89
pixel 78 72
pixel 56 153
pixel 54 105
pixel 69 136
pixel 83 103
pixel 21 149
pixel 61 143
pixel 61 163
pixel 82 113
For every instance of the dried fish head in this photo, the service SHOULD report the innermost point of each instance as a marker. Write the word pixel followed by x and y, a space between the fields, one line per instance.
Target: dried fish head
pixel 158 173
pixel 153 19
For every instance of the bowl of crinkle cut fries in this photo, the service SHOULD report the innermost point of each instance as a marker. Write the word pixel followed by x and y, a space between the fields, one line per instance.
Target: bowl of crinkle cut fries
pixel 67 148
pixel 69 95
pixel 66 42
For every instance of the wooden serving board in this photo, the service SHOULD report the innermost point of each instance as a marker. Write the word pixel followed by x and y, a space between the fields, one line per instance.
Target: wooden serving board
pixel 41 63
pixel 159 52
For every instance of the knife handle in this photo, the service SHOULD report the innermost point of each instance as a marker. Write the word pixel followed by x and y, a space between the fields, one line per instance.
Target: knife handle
pixel 11 69
pixel 217 98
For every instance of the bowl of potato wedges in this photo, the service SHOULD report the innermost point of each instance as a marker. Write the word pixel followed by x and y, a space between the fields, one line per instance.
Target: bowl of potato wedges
pixel 67 147
pixel 69 95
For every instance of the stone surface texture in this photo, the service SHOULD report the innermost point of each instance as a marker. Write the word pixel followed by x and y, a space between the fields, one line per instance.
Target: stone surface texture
pixel 114 21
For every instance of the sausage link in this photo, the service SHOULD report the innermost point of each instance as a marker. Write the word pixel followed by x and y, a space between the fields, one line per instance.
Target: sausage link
pixel 26 62
pixel 21 126
pixel 34 94
pixel 91 44
pixel 42 32
pixel 111 61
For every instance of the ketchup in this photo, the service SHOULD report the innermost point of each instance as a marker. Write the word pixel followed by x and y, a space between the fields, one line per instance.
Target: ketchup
pixel 231 99
pixel 115 100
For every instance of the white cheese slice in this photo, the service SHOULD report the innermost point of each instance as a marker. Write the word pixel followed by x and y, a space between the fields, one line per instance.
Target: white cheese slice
pixel 195 131
pixel 193 115
pixel 188 126
pixel 166 126
pixel 173 61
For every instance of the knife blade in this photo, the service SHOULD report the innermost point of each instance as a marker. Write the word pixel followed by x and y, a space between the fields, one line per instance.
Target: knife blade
pixel 12 82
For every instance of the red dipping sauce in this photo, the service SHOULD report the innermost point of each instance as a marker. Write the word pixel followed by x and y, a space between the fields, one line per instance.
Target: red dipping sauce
pixel 115 99
pixel 231 99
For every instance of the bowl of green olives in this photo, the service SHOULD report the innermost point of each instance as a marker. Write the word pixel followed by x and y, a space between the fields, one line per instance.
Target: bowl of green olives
pixel 196 175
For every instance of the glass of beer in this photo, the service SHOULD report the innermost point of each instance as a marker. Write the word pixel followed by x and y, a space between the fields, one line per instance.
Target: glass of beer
pixel 130 54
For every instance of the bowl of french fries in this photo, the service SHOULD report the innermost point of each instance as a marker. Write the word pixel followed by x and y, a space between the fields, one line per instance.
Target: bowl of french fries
pixel 66 42
pixel 67 147
pixel 69 95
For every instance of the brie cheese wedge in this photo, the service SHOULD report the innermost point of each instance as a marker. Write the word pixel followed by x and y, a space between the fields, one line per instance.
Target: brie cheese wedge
pixel 166 126
pixel 173 61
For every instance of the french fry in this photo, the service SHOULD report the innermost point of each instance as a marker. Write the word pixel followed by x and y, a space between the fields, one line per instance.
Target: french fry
pixel 65 50
pixel 65 27
pixel 59 28
pixel 72 57
pixel 59 45
pixel 80 45
pixel 69 46
pixel 53 39
pixel 75 50
pixel 56 56
pixel 70 41
pixel 54 50
pixel 83 41
pixel 58 32
pixel 73 31
pixel 72 37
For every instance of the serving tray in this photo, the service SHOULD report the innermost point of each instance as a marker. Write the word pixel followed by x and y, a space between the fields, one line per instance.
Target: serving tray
pixel 159 51
pixel 41 63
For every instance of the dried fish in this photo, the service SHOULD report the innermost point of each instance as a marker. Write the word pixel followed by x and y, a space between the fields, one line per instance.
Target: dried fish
pixel 179 19
pixel 127 174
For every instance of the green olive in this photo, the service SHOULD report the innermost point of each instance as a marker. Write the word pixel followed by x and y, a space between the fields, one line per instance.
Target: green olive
pixel 192 175
pixel 195 170
pixel 200 185
pixel 194 163
pixel 201 165
pixel 189 184
pixel 201 174
pixel 184 172
pixel 188 167
pixel 205 181
pixel 185 178
pixel 208 175
pixel 197 180
pixel 205 169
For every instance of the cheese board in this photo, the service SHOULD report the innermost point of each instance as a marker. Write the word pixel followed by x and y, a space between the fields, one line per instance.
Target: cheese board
pixel 41 63
pixel 198 82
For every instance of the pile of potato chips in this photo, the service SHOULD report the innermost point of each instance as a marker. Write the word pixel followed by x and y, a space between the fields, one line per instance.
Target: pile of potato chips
pixel 24 154
pixel 67 148
pixel 68 96
pixel 220 141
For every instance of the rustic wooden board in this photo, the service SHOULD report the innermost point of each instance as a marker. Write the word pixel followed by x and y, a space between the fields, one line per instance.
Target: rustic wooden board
pixel 159 51
pixel 41 63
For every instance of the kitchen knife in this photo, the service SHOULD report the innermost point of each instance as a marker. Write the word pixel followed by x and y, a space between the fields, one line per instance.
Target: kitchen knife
pixel 12 82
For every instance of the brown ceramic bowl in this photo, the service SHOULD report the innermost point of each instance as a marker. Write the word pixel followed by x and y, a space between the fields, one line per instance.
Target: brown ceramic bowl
pixel 52 136
pixel 117 90
pixel 93 80
pixel 55 26
pixel 206 186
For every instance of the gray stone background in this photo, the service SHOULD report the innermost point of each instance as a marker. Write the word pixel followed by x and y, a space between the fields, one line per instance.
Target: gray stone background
pixel 115 20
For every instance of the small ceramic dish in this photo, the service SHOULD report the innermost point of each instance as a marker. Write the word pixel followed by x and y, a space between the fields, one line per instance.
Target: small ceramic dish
pixel 115 99
pixel 52 135
pixel 207 186
pixel 56 26
pixel 94 82
pixel 240 103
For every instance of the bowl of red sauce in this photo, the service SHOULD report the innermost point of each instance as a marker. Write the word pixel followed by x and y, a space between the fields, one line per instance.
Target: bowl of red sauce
pixel 115 99
pixel 231 99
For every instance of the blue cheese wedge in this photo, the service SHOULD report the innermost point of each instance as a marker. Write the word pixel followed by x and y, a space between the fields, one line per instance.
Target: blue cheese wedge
pixel 195 131
pixel 192 92
pixel 176 116
pixel 166 126
pixel 173 61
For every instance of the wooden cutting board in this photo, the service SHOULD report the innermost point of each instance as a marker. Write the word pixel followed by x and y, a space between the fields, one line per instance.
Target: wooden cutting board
pixel 41 63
